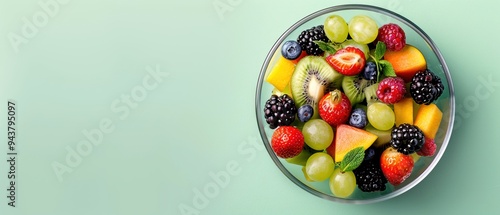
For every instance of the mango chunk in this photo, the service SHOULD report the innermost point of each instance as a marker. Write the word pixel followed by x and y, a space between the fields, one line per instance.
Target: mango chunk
pixel 428 120
pixel 406 62
pixel 281 73
pixel 403 110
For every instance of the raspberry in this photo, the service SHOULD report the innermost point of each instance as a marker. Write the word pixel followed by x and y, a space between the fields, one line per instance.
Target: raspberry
pixel 279 111
pixel 407 138
pixel 391 90
pixel 393 36
pixel 426 87
pixel 428 149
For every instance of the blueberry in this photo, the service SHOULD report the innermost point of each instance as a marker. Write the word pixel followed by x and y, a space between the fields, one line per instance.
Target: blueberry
pixel 305 113
pixel 370 71
pixel 291 50
pixel 358 118
pixel 369 154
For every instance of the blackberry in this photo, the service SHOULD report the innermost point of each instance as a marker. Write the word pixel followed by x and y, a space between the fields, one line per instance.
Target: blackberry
pixel 426 87
pixel 307 37
pixel 407 138
pixel 369 176
pixel 279 111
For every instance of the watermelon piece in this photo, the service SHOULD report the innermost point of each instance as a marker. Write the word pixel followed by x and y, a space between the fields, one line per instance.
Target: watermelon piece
pixel 348 138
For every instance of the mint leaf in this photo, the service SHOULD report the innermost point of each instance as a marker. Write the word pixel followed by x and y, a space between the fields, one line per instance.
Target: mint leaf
pixel 327 47
pixel 379 50
pixel 352 159
pixel 387 68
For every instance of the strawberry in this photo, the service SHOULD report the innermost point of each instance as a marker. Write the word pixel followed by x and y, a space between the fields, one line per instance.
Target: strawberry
pixel 302 55
pixel 347 61
pixel 331 149
pixel 396 166
pixel 428 149
pixel 287 141
pixel 335 108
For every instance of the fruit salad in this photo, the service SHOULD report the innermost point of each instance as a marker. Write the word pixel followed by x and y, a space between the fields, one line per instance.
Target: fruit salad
pixel 353 104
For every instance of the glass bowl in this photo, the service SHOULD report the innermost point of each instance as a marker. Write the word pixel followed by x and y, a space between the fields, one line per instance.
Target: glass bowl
pixel 435 62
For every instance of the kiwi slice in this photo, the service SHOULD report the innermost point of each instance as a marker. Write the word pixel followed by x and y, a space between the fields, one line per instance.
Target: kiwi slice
pixel 312 77
pixel 371 94
pixel 354 87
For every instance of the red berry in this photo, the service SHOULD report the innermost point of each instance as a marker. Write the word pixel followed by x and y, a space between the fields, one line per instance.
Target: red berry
pixel 287 141
pixel 391 90
pixel 428 149
pixel 331 149
pixel 335 108
pixel 396 166
pixel 347 61
pixel 393 36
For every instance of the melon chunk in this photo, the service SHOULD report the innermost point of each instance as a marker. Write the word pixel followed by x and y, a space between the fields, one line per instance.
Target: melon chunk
pixel 383 137
pixel 428 120
pixel 281 73
pixel 287 91
pixel 406 62
pixel 415 157
pixel 348 138
pixel 403 110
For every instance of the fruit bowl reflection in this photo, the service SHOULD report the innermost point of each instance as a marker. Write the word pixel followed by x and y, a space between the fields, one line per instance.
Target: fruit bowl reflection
pixel 435 62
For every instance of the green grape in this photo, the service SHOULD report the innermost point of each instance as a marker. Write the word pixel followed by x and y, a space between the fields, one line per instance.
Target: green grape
pixel 319 166
pixel 380 116
pixel 363 47
pixel 342 184
pixel 336 28
pixel 300 159
pixel 317 134
pixel 363 29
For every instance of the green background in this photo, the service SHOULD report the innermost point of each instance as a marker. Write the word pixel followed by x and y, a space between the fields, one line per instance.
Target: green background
pixel 199 119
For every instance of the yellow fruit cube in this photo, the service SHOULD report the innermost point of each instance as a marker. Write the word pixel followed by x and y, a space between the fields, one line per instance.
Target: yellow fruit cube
pixel 428 120
pixel 281 73
pixel 403 110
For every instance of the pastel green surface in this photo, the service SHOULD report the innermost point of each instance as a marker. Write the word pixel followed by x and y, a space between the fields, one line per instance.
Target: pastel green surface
pixel 165 90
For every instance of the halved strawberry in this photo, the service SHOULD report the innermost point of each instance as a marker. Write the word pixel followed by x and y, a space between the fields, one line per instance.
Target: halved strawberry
pixel 347 61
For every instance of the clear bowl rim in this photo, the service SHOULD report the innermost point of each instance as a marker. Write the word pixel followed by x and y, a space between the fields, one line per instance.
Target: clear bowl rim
pixel 391 14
